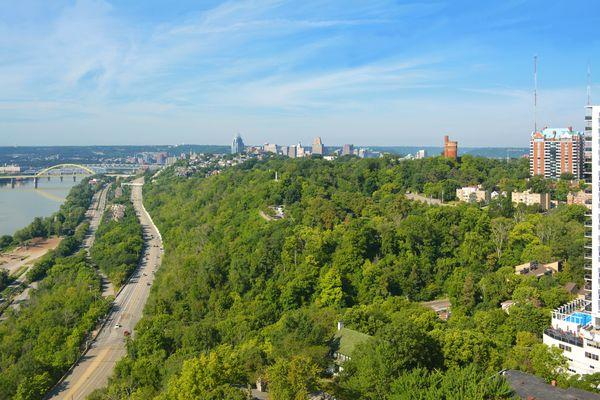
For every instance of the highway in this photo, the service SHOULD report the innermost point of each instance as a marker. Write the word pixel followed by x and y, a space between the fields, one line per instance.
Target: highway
pixel 96 365
pixel 94 214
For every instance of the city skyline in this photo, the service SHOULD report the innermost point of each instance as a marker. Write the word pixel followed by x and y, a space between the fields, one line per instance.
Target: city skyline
pixel 99 72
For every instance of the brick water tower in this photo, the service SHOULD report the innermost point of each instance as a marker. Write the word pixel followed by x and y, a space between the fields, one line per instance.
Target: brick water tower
pixel 450 148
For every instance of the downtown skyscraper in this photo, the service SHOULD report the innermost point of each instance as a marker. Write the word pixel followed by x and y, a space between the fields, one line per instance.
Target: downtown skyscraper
pixel 237 146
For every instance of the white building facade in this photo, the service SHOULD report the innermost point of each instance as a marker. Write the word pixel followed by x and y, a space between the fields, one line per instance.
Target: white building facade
pixel 575 327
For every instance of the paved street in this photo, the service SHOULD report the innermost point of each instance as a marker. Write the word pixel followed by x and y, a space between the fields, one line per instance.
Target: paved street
pixel 95 213
pixel 97 364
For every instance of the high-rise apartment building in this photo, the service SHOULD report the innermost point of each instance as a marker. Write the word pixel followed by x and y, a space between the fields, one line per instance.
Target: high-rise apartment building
pixel 575 327
pixel 421 154
pixel 450 148
pixel 237 146
pixel 556 151
pixel 317 146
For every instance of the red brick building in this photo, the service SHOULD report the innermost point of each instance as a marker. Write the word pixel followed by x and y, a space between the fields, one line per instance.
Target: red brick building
pixel 556 151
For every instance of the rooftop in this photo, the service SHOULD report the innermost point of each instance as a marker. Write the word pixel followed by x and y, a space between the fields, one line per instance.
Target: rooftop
pixel 555 133
pixel 528 386
pixel 538 269
pixel 349 339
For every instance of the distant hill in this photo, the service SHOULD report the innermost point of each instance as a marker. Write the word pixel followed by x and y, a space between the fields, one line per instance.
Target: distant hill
pixel 490 152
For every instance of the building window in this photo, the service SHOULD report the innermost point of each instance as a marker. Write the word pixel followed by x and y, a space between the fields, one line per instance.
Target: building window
pixel 593 344
pixel 564 347
pixel 592 356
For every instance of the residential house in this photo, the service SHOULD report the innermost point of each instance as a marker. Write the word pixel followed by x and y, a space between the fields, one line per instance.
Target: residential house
pixel 472 194
pixel 345 342
pixel 538 270
pixel 528 198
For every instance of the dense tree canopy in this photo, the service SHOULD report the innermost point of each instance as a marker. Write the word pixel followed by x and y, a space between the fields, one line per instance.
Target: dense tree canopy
pixel 118 244
pixel 352 247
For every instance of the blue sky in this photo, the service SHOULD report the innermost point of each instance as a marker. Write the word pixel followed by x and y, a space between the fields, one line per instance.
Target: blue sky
pixel 372 72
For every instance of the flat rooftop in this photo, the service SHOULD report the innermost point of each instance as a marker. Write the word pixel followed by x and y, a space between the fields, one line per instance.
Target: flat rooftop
pixel 527 386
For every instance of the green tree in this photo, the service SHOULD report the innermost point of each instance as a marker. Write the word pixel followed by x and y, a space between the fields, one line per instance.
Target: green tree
pixel 330 289
pixel 35 388
pixel 292 379
pixel 208 377
pixel 398 347
pixel 465 347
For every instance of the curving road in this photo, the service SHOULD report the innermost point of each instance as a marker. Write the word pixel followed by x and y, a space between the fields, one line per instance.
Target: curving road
pixel 96 365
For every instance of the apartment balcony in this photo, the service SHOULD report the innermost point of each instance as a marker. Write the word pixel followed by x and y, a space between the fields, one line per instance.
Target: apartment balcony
pixel 564 337
pixel 588 117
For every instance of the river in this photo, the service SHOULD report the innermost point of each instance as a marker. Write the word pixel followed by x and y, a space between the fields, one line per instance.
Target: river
pixel 19 206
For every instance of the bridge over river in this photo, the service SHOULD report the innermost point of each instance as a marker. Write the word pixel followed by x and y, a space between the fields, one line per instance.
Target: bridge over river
pixel 73 171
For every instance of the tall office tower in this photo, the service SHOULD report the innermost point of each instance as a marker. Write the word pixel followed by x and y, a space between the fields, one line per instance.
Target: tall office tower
pixel 556 151
pixel 450 148
pixel 347 150
pixel 270 148
pixel 317 146
pixel 237 146
pixel 575 327
pixel 292 151
pixel 300 150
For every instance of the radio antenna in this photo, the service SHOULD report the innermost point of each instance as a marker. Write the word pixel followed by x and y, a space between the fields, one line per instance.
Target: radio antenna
pixel 589 84
pixel 535 93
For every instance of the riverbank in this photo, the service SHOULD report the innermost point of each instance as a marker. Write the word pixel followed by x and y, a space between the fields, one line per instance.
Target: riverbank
pixel 16 259
pixel 20 205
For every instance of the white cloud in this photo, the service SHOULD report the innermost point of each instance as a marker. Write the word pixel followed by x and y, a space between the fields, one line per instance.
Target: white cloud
pixel 265 67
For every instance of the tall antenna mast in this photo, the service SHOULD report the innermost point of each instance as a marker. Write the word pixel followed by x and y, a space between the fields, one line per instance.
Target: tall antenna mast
pixel 535 93
pixel 589 85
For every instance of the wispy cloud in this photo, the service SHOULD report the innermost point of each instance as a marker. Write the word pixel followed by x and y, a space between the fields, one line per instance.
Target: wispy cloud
pixel 89 61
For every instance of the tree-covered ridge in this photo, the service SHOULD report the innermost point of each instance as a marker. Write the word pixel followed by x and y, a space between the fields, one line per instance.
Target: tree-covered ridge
pixel 241 297
pixel 118 244
pixel 42 339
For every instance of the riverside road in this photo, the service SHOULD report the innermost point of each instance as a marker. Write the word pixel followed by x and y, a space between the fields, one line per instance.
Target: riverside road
pixel 96 365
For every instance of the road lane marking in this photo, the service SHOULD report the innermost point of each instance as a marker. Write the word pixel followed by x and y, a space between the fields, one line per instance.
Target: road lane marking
pixel 86 374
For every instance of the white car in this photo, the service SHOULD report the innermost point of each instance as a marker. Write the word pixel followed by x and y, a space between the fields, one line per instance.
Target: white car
pixel 117 326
